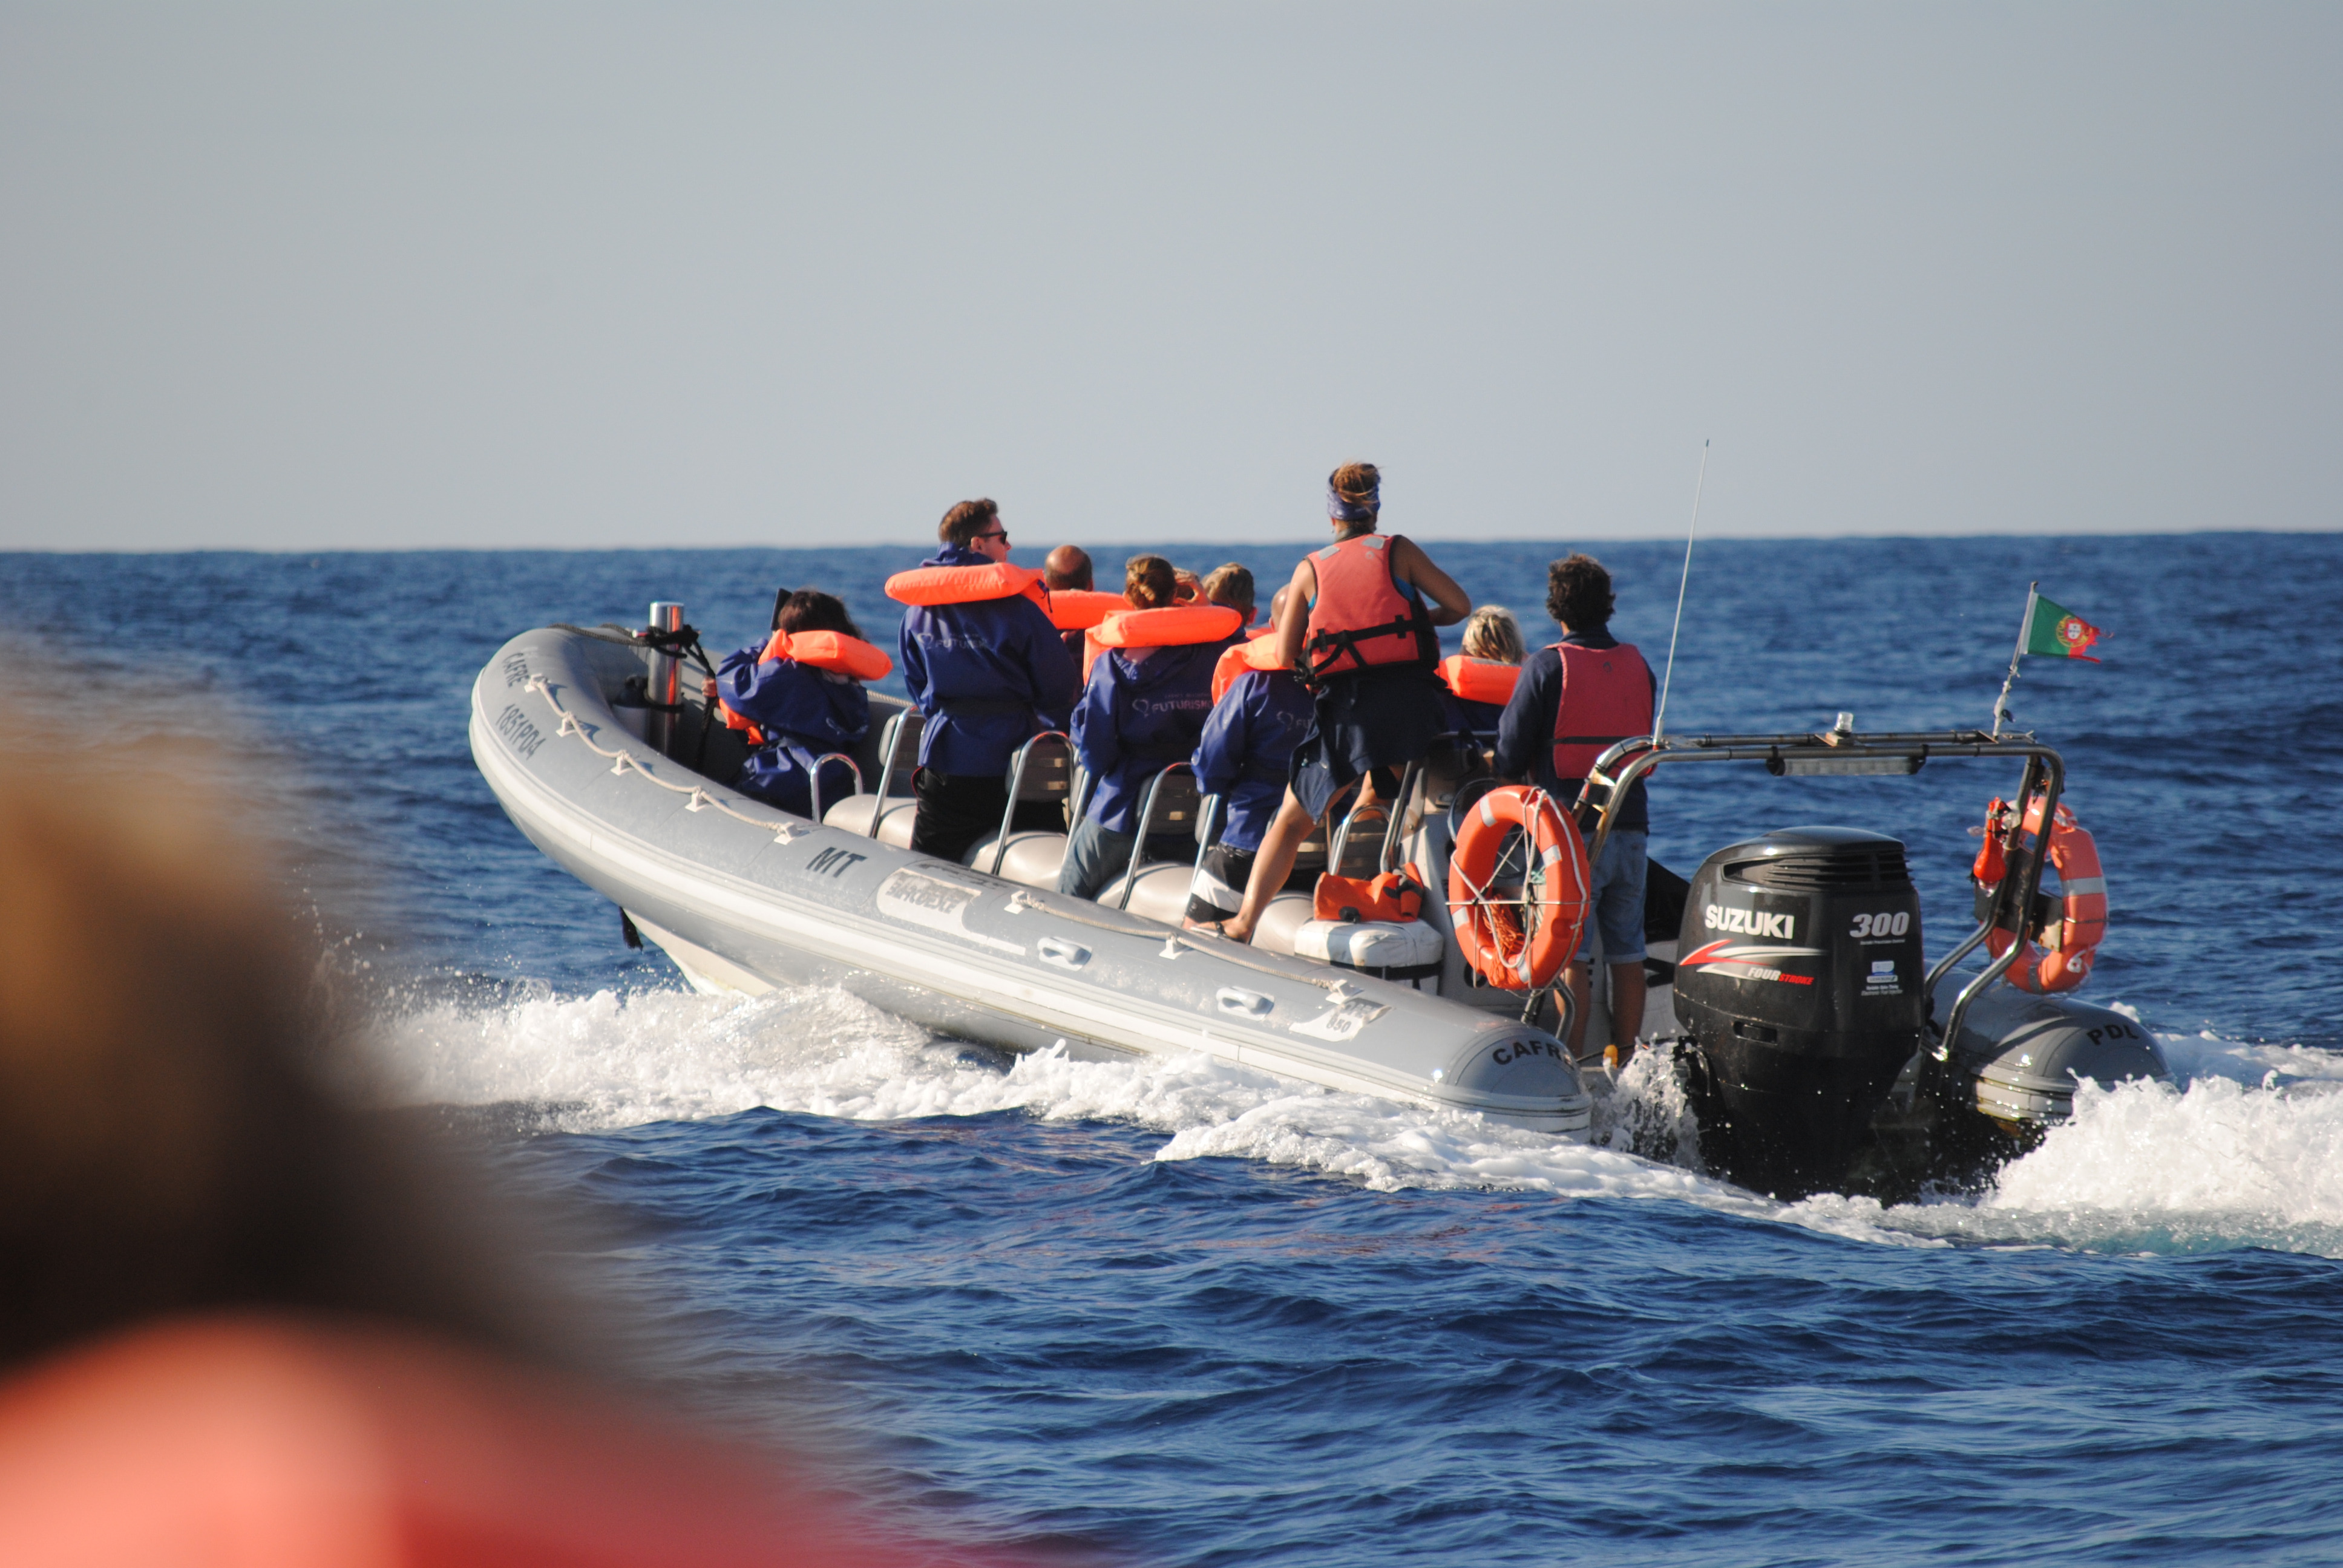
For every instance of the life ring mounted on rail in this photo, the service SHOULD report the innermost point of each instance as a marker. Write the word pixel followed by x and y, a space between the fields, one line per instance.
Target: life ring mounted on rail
pixel 1519 944
pixel 2083 898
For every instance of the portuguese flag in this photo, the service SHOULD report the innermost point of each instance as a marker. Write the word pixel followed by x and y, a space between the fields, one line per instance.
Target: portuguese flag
pixel 2054 629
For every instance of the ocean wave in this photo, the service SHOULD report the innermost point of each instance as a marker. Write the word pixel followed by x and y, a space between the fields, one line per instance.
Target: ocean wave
pixel 2243 1153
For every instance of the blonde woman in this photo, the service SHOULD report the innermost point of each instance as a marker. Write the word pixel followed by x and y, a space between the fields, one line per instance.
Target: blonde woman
pixel 1479 681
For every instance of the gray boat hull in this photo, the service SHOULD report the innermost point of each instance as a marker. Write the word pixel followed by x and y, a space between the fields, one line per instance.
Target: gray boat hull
pixel 747 897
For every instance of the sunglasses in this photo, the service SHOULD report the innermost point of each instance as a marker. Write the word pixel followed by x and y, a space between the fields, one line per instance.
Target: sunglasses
pixel 1001 534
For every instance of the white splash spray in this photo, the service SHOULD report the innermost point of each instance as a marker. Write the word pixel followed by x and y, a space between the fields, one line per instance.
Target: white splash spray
pixel 2245 1153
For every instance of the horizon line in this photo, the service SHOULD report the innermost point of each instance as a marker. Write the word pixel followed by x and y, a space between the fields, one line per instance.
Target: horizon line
pixel 1197 544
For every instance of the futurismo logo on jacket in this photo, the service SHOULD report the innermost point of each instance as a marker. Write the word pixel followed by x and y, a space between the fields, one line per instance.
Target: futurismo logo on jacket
pixel 1748 922
pixel 1164 707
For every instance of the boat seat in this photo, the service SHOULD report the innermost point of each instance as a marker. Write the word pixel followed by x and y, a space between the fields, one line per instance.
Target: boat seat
pixel 1033 859
pixel 1160 894
pixel 898 751
pixel 853 814
pixel 1285 915
pixel 1393 950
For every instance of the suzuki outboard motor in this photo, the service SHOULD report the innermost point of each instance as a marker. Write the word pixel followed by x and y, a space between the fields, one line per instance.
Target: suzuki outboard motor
pixel 1799 977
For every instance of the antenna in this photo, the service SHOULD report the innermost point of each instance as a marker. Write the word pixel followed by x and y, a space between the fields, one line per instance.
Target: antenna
pixel 1659 720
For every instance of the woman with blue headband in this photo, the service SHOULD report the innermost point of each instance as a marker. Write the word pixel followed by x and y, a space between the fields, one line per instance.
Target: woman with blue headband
pixel 1356 627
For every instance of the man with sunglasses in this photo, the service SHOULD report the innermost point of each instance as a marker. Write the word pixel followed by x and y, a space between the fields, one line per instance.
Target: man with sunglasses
pixel 988 673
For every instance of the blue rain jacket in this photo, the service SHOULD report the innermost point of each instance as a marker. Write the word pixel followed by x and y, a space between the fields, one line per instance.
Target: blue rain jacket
pixel 804 714
pixel 999 661
pixel 1246 748
pixel 1135 718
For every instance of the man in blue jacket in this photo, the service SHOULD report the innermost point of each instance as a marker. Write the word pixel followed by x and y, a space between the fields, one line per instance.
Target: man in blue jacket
pixel 1142 711
pixel 1243 757
pixel 987 675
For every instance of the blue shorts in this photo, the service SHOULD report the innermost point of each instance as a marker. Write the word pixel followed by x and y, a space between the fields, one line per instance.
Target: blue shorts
pixel 1618 899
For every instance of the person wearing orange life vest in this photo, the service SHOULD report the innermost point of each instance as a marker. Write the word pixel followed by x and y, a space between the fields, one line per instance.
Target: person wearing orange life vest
pixel 795 705
pixel 1141 710
pixel 1356 625
pixel 1577 697
pixel 1490 665
pixel 988 673
pixel 1068 567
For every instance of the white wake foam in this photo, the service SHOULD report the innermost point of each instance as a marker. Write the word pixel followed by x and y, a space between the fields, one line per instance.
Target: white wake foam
pixel 2245 1153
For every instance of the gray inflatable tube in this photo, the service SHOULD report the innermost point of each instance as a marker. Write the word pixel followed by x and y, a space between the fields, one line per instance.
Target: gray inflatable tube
pixel 747 898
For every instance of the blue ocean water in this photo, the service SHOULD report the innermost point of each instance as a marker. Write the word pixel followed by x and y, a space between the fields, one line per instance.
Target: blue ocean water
pixel 1190 1314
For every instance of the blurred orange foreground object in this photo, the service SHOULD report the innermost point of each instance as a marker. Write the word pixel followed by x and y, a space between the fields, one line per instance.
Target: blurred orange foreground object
pixel 254 1443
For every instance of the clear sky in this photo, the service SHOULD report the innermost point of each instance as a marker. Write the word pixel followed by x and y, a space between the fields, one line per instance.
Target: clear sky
pixel 359 276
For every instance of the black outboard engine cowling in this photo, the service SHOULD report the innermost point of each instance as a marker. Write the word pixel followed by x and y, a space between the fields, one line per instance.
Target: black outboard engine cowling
pixel 1799 977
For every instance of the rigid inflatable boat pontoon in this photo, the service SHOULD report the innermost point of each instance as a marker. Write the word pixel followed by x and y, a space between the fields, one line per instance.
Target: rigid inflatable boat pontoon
pixel 747 898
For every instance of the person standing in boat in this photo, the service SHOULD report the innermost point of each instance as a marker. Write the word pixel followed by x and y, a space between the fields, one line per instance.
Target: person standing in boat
pixel 1356 622
pixel 1577 698
pixel 1144 706
pixel 798 698
pixel 1260 711
pixel 988 671
pixel 1480 680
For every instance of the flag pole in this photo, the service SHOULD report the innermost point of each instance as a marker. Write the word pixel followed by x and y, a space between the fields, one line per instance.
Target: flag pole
pixel 2025 625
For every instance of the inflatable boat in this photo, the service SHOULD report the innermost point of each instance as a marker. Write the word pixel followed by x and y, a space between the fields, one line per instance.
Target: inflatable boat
pixel 1786 978
pixel 609 764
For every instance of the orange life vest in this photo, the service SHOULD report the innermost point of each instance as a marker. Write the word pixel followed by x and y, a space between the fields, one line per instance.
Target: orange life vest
pixel 1079 609
pixel 966 585
pixel 1488 680
pixel 1362 619
pixel 1174 626
pixel 1607 698
pixel 830 650
pixel 1393 897
pixel 1258 651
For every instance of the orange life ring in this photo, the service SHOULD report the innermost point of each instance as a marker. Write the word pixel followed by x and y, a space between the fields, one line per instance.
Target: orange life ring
pixel 1490 932
pixel 1079 609
pixel 1258 651
pixel 830 650
pixel 966 585
pixel 1174 626
pixel 1480 679
pixel 2083 898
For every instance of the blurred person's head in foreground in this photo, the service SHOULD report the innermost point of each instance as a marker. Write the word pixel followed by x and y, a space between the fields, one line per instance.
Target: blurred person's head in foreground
pixel 243 1324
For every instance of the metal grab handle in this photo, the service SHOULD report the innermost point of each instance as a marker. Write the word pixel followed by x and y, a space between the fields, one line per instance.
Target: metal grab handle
pixel 1146 822
pixel 891 739
pixel 2052 769
pixel 1208 830
pixel 1395 828
pixel 1016 786
pixel 814 783
pixel 1343 832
